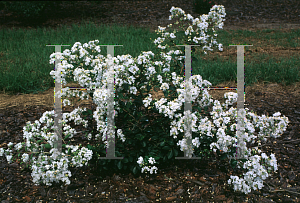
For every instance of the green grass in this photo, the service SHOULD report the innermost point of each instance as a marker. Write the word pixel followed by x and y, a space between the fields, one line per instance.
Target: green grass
pixel 25 68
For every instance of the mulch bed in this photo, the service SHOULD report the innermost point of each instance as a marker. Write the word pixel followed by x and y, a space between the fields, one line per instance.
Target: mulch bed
pixel 193 181
pixel 152 13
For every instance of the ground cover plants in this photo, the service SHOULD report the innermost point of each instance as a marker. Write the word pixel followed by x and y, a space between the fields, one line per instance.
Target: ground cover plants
pixel 272 161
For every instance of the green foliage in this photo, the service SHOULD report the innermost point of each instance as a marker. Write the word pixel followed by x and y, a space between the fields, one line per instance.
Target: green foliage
pixel 203 6
pixel 144 138
pixel 2 5
pixel 29 9
pixel 34 9
pixel 147 135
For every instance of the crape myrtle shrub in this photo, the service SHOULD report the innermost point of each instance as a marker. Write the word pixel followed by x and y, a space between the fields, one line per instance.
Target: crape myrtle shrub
pixel 145 134
pixel 143 139
pixel 146 137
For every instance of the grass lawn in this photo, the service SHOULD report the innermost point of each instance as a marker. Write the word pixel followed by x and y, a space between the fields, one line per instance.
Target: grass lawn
pixel 25 67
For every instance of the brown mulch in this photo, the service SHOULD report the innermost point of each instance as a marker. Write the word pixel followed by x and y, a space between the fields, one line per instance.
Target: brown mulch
pixel 154 13
pixel 193 181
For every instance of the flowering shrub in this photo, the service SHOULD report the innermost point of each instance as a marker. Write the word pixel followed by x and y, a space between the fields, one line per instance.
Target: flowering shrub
pixel 148 131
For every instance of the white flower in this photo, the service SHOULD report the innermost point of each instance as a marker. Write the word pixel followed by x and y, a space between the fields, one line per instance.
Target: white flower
pixel 1 151
pixel 89 136
pixel 18 146
pixel 10 144
pixel 140 160
pixel 152 160
pixel 8 157
pixel 25 157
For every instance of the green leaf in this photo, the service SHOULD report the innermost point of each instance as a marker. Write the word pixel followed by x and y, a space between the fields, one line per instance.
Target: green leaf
pixel 139 136
pixel 148 129
pixel 166 93
pixel 172 88
pixel 171 142
pixel 48 146
pixel 199 109
pixel 135 170
pixel 88 112
pixel 233 163
pixel 166 148
pixel 117 153
pixel 125 160
pixel 144 144
pixel 67 136
pixel 175 152
pixel 120 164
pixel 156 157
pixel 162 143
pixel 130 158
pixel 164 159
pixel 170 154
pixel 223 156
pixel 148 87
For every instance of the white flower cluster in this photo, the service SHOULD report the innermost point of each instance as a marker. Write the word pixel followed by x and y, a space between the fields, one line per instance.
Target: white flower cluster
pixel 59 172
pixel 255 176
pixel 146 168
